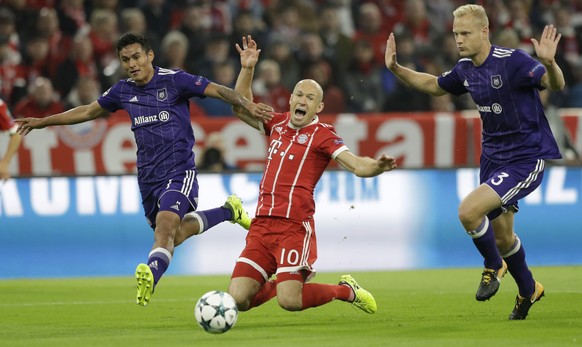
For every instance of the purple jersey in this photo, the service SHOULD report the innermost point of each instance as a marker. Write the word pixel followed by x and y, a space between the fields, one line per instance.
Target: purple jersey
pixel 160 121
pixel 505 89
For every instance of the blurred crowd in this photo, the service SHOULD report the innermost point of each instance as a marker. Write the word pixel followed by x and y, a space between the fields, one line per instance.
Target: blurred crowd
pixel 55 55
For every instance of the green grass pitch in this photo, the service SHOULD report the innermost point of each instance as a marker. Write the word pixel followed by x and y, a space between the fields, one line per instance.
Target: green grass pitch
pixel 415 308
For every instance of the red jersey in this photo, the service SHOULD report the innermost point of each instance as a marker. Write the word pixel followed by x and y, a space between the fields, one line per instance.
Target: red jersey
pixel 297 158
pixel 6 121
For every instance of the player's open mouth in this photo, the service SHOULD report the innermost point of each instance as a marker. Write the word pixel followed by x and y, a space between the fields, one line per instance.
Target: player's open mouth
pixel 300 113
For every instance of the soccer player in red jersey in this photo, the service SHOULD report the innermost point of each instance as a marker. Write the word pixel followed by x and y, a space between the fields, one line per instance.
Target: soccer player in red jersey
pixel 7 124
pixel 281 240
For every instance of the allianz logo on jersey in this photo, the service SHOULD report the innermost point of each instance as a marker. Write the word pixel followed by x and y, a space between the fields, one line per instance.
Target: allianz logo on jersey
pixel 163 116
pixel 495 108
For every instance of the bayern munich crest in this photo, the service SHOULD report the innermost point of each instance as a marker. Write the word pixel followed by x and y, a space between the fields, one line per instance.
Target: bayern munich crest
pixel 302 138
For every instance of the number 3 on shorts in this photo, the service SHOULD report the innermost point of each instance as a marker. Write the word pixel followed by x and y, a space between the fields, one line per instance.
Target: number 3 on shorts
pixel 500 177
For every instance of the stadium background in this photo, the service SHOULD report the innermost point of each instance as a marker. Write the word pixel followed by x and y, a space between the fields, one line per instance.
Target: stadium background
pixel 73 202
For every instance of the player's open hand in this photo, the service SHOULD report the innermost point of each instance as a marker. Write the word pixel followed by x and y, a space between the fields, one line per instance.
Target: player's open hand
pixel 260 111
pixel 546 47
pixel 25 125
pixel 249 53
pixel 390 55
pixel 387 162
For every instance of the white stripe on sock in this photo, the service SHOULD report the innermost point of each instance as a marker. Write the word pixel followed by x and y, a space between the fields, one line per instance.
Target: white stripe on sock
pixel 161 250
pixel 200 221
pixel 516 247
pixel 479 231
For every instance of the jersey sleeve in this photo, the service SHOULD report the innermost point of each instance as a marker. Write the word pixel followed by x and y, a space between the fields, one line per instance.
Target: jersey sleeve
pixel 452 81
pixel 111 99
pixel 6 120
pixel 190 85
pixel 528 71
pixel 331 143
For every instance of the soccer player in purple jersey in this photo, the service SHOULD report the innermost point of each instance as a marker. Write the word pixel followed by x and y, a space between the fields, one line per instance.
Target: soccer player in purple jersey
pixel 157 101
pixel 516 139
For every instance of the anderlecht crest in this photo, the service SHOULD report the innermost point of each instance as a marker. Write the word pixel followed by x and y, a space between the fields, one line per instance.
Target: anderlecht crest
pixel 496 81
pixel 162 94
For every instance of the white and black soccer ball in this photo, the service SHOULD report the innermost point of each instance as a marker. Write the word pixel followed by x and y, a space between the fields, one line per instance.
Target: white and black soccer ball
pixel 216 312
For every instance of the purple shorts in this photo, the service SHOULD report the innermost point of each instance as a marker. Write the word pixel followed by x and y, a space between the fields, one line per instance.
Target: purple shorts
pixel 511 182
pixel 179 195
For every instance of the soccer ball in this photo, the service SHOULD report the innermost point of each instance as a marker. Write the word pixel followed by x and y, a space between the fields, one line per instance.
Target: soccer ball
pixel 216 312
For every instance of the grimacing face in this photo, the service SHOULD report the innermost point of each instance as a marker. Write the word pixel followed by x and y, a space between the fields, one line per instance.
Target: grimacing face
pixel 305 102
pixel 469 36
pixel 137 63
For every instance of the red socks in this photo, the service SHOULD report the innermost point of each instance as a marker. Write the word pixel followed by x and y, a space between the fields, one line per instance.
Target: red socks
pixel 317 294
pixel 314 294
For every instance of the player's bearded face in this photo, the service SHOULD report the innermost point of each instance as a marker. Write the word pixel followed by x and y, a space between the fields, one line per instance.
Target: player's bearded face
pixel 137 63
pixel 305 103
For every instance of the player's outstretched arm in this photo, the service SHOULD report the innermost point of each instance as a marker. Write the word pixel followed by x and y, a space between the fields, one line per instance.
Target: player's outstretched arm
pixel 365 166
pixel 424 82
pixel 249 56
pixel 545 49
pixel 259 111
pixel 75 115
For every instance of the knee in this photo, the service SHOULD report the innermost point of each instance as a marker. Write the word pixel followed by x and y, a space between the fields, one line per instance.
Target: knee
pixel 166 225
pixel 243 303
pixel 241 296
pixel 469 217
pixel 290 303
pixel 165 228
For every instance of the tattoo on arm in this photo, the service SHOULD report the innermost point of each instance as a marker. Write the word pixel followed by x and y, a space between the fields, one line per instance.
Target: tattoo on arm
pixel 232 97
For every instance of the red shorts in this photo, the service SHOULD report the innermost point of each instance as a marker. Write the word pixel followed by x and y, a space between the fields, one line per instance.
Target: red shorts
pixel 279 246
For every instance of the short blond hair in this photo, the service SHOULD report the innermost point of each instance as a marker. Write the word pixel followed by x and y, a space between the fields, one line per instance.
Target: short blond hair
pixel 476 11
